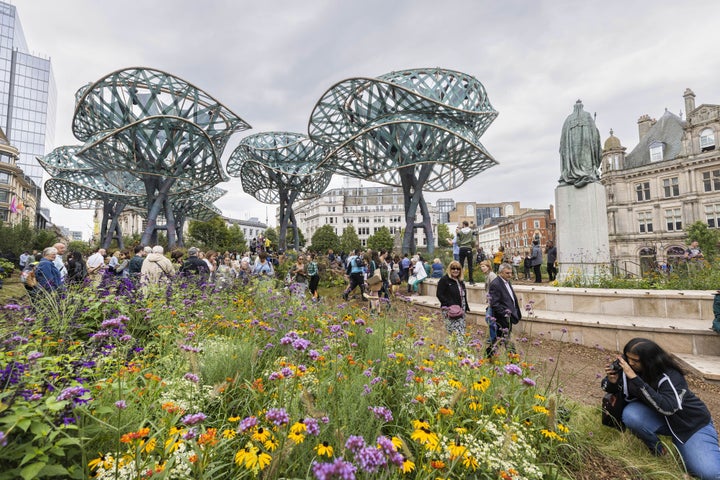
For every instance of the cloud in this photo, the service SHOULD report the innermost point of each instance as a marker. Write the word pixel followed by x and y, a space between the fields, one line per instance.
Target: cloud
pixel 270 63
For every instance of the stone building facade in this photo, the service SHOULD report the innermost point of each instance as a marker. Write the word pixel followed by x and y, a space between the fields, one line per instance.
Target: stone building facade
pixel 18 192
pixel 670 180
pixel 365 208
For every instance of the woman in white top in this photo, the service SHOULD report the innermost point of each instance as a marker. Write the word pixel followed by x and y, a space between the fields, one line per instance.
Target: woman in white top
pixel 418 274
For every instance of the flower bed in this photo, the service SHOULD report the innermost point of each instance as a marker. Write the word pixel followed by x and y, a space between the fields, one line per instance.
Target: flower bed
pixel 190 383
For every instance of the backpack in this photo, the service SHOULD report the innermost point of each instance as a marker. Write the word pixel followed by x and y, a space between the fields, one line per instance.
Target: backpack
pixel 27 277
pixel 358 262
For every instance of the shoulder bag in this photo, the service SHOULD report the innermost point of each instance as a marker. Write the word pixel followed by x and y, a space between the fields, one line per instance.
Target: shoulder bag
pixel 612 408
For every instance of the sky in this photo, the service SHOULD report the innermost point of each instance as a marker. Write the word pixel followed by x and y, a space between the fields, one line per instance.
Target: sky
pixel 270 61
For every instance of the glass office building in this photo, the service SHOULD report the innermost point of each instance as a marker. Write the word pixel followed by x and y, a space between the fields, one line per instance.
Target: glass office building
pixel 27 95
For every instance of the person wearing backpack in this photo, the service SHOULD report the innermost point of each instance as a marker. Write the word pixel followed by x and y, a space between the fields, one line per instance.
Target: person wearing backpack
pixel 47 274
pixel 355 270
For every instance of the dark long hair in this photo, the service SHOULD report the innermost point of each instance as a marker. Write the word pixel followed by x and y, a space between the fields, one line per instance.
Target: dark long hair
pixel 654 360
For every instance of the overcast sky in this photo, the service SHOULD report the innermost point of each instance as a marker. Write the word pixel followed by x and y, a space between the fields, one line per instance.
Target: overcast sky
pixel 270 61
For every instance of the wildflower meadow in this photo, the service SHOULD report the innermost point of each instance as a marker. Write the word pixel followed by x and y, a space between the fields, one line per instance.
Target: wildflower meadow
pixel 190 383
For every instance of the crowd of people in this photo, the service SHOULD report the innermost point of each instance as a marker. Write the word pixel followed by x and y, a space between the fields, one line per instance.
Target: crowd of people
pixel 55 268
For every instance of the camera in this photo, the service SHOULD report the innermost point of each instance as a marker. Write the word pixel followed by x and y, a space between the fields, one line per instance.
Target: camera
pixel 616 367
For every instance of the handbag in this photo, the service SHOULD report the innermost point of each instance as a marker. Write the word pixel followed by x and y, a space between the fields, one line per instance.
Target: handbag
pixel 455 311
pixel 612 408
pixel 375 278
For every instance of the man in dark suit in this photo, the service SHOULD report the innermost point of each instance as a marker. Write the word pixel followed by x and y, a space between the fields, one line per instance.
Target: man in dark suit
pixel 505 308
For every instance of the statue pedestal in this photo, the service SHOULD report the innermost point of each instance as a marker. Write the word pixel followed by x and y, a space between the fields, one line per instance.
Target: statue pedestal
pixel 582 232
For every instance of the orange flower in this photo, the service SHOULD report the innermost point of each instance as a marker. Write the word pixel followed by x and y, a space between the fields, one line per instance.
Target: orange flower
pixel 437 464
pixel 208 438
pixel 129 437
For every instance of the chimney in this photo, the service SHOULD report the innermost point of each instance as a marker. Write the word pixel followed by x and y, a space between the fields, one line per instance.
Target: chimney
pixel 689 97
pixel 644 124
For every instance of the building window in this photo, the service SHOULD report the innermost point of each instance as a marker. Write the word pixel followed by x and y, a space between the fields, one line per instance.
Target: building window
pixel 536 223
pixel 671 187
pixel 4 196
pixel 4 214
pixel 469 210
pixel 656 152
pixel 645 222
pixel 707 140
pixel 673 219
pixel 643 191
pixel 712 215
pixel 4 177
pixel 711 180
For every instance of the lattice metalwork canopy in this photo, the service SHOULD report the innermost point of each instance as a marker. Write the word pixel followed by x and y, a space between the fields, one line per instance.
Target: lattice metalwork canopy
pixel 371 127
pixel 129 95
pixel 148 136
pixel 270 161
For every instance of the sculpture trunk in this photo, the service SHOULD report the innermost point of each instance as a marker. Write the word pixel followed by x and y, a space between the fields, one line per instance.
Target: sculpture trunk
pixel 157 196
pixel 413 197
pixel 287 198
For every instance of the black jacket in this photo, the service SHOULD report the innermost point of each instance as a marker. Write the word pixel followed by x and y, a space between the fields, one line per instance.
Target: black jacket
pixel 684 412
pixel 504 309
pixel 195 265
pixel 449 294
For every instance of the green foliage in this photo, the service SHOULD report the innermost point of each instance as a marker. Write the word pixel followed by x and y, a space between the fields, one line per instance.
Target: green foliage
pixel 381 240
pixel 6 268
pixel 443 234
pixel 325 239
pixel 80 246
pixel 44 238
pixel 17 238
pixel 236 239
pixel 216 235
pixel 706 237
pixel 210 235
pixel 692 275
pixel 349 239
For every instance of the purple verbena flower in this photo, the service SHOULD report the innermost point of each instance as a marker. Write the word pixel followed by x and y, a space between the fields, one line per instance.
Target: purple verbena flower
pixel 382 413
pixel 277 416
pixel 247 423
pixel 194 418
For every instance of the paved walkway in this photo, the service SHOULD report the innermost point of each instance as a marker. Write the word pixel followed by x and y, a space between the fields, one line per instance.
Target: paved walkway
pixel 704 365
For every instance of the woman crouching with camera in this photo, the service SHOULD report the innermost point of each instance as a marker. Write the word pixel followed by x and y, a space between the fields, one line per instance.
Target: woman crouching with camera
pixel 659 402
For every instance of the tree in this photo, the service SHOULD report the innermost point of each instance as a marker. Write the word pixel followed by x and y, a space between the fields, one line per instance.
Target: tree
pixel 235 239
pixel 16 238
pixel 79 246
pixel 381 240
pixel 349 240
pixel 44 238
pixel 212 234
pixel 707 239
pixel 444 235
pixel 325 239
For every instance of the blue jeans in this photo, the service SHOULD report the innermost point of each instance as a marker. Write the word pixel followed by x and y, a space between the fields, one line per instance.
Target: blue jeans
pixel 700 452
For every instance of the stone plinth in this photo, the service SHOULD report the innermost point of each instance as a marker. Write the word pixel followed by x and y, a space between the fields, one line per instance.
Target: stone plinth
pixel 582 232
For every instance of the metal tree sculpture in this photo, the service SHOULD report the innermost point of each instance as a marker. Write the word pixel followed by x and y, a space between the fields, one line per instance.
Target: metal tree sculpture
pixel 159 129
pixel 280 167
pixel 77 184
pixel 418 129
